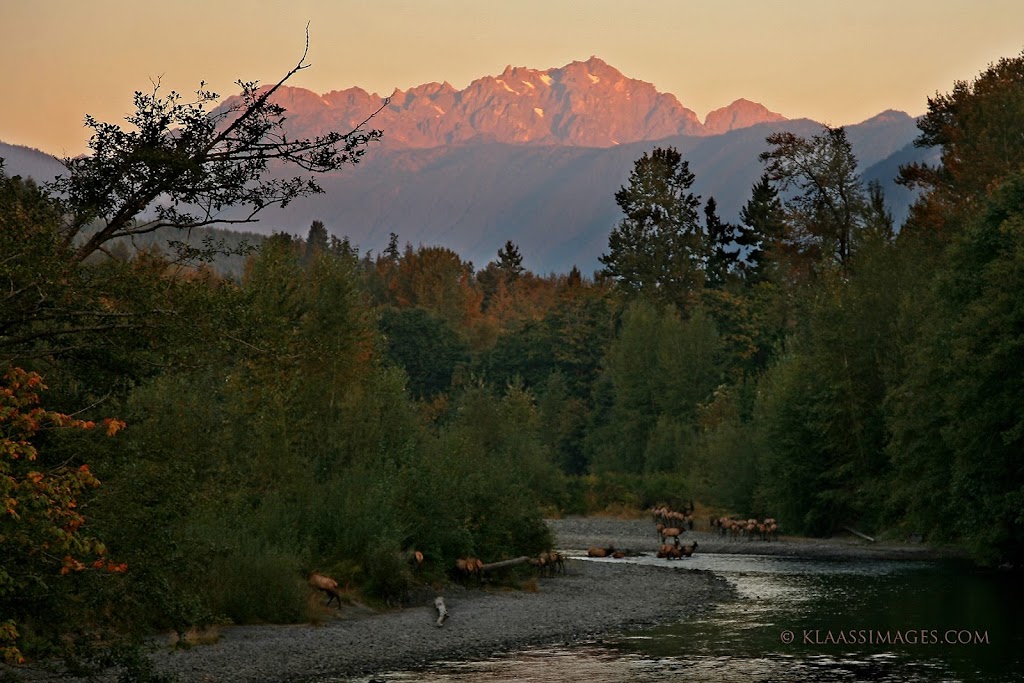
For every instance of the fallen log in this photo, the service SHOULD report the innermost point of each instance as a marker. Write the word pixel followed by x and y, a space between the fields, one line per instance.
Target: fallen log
pixel 857 533
pixel 505 563
pixel 442 611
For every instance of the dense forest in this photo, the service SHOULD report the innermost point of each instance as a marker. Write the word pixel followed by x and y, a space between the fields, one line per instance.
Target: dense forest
pixel 182 444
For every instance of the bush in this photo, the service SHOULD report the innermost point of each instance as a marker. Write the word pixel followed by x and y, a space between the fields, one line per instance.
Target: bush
pixel 252 584
pixel 608 491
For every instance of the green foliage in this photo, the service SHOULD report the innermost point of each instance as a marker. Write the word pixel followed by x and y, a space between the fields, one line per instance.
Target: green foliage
pixel 722 246
pixel 658 249
pixel 425 346
pixel 563 423
pixel 660 369
pixel 326 412
pixel 179 154
pixel 762 227
pixel 317 241
pixel 794 468
pixel 510 261
pixel 823 405
pixel 248 582
pixel 977 126
pixel 969 439
pixel 829 202
pixel 503 474
pixel 616 492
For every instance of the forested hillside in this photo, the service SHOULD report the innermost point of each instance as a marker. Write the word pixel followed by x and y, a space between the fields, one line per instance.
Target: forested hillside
pixel 334 411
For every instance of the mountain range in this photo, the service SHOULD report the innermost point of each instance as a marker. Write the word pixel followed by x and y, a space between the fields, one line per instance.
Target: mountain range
pixel 582 104
pixel 531 156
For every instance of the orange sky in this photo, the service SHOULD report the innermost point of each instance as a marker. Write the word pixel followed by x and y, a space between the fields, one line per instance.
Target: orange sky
pixel 835 61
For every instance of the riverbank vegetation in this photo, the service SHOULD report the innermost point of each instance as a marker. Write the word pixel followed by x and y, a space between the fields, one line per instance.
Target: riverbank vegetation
pixel 330 410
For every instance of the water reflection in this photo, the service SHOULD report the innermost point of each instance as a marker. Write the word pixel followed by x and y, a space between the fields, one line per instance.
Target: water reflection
pixel 848 620
pixel 800 619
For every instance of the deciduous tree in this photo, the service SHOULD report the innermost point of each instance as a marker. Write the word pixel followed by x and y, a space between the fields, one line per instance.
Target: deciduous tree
pixel 978 128
pixel 828 204
pixel 187 165
pixel 42 534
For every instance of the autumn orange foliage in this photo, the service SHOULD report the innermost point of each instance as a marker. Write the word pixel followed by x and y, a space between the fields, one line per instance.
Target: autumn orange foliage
pixel 40 520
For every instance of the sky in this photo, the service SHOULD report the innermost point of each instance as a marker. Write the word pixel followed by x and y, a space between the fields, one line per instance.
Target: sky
pixel 834 61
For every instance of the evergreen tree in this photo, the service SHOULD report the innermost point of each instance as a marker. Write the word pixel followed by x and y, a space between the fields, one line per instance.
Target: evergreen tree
pixel 392 253
pixel 574 278
pixel 762 226
pixel 878 221
pixel 510 261
pixel 317 241
pixel 501 273
pixel 658 250
pixel 722 246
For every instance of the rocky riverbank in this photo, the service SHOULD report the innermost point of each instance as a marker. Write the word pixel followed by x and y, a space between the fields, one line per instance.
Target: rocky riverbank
pixel 590 600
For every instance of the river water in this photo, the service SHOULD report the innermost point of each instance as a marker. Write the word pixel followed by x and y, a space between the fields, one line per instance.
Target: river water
pixel 799 620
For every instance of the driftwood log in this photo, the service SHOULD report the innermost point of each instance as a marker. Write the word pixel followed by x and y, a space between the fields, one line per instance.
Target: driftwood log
pixel 505 563
pixel 442 611
pixel 857 533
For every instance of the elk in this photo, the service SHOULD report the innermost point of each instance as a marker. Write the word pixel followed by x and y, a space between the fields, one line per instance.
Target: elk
pixel 687 550
pixel 549 562
pixel 327 585
pixel 670 552
pixel 601 552
pixel 545 563
pixel 557 561
pixel 469 566
pixel 726 526
pixel 672 532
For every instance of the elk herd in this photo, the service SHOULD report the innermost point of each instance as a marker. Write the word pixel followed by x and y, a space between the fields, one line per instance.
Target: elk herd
pixel 670 526
pixel 750 529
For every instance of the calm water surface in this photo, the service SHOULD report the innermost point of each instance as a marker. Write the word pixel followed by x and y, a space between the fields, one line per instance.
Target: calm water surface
pixel 800 620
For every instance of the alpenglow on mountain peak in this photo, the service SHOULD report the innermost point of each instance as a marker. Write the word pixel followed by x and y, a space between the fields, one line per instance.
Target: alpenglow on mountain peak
pixel 581 104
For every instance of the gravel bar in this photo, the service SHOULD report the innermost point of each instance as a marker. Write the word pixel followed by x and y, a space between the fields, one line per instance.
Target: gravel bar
pixel 639 535
pixel 592 599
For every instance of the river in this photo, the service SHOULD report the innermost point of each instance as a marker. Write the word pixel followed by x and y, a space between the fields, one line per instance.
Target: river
pixel 798 620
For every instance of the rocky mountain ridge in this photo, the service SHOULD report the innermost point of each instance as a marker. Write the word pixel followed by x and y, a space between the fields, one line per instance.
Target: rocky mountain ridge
pixel 469 169
pixel 581 104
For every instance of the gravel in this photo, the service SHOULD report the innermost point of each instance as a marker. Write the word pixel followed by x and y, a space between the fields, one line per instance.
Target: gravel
pixel 639 535
pixel 591 599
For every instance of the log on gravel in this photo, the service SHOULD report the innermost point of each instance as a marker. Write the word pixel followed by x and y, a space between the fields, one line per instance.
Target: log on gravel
pixel 505 563
pixel 442 611
pixel 857 533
